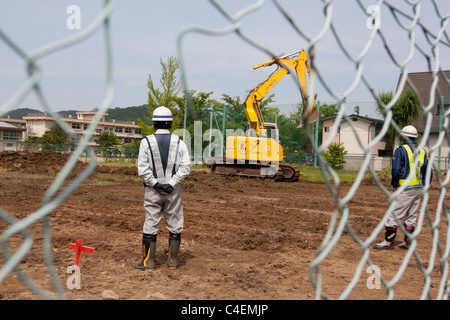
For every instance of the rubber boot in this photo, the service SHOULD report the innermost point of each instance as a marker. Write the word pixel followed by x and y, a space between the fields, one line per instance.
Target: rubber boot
pixel 174 247
pixel 389 237
pixel 148 252
pixel 405 243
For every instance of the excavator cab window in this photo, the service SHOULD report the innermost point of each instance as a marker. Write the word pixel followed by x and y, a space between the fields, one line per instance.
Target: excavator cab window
pixel 250 132
pixel 272 131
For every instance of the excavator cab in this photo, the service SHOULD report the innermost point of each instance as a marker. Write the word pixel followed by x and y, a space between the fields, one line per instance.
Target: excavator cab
pixel 269 131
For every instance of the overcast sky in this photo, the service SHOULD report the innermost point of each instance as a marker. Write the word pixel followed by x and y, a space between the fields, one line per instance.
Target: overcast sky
pixel 145 31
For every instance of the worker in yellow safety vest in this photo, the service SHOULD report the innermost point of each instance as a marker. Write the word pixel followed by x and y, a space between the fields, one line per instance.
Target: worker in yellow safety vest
pixel 407 158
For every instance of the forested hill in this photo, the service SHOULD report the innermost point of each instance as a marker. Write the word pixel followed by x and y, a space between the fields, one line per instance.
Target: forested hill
pixel 122 114
pixel 20 113
pixel 130 114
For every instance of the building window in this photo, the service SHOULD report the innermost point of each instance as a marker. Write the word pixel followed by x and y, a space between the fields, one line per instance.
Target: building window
pixel 118 130
pixel 128 141
pixel 138 131
pixel 11 135
pixel 378 128
pixel 76 126
pixel 128 130
pixel 444 109
pixel 384 153
pixel 326 129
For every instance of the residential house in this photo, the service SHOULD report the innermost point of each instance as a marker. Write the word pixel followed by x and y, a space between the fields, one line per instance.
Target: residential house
pixel 423 83
pixel 356 134
pixel 365 129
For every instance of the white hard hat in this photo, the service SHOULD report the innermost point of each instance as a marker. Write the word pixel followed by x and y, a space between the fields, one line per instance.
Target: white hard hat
pixel 162 114
pixel 409 131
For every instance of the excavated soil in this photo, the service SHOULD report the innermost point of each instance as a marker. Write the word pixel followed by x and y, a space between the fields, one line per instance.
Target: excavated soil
pixel 246 239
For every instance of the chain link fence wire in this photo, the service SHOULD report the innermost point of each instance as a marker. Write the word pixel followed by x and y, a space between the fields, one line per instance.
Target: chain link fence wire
pixel 56 194
pixel 407 20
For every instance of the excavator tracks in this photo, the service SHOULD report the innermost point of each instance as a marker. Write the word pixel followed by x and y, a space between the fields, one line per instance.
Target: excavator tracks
pixel 285 172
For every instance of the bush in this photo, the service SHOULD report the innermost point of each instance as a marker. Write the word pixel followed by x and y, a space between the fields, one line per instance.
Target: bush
pixel 335 156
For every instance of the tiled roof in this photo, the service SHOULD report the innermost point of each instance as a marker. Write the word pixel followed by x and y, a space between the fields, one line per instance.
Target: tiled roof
pixel 423 82
pixel 10 127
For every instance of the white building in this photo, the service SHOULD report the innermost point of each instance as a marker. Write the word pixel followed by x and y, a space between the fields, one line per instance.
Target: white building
pixel 11 134
pixel 38 125
pixel 357 139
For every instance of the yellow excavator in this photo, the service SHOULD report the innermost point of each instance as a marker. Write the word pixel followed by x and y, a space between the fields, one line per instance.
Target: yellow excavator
pixel 255 153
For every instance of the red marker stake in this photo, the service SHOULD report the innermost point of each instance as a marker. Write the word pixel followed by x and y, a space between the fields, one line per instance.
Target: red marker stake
pixel 78 246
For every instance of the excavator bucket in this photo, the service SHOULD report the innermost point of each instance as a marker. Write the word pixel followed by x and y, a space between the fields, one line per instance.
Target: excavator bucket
pixel 308 116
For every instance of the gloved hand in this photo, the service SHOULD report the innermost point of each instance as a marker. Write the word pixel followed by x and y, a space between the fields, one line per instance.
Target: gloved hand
pixel 167 188
pixel 160 188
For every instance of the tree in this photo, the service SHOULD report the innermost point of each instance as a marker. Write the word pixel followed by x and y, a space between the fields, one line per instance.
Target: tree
pixel 404 112
pixel 335 156
pixel 325 110
pixel 55 136
pixel 108 139
pixel 292 138
pixel 168 95
pixel 110 144
pixel 203 103
pixel 328 110
pixel 236 117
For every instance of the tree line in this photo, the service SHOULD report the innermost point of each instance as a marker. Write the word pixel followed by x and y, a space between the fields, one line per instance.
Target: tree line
pixel 230 109
pixel 168 92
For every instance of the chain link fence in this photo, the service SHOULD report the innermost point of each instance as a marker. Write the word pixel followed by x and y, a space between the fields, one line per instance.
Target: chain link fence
pixel 408 21
pixel 57 192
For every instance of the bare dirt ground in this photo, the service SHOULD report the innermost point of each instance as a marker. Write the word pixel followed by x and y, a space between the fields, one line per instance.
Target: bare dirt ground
pixel 246 239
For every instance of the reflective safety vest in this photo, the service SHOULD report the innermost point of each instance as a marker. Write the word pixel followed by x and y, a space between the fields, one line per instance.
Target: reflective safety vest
pixel 163 171
pixel 416 179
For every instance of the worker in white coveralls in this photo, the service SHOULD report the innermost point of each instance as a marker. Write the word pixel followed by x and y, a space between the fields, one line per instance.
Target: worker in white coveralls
pixel 163 163
pixel 408 200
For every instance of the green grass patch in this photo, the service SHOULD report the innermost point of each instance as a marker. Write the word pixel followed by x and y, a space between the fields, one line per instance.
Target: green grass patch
pixel 310 173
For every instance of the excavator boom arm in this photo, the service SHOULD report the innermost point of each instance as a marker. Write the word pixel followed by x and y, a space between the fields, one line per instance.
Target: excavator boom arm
pixel 286 64
pixel 252 109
